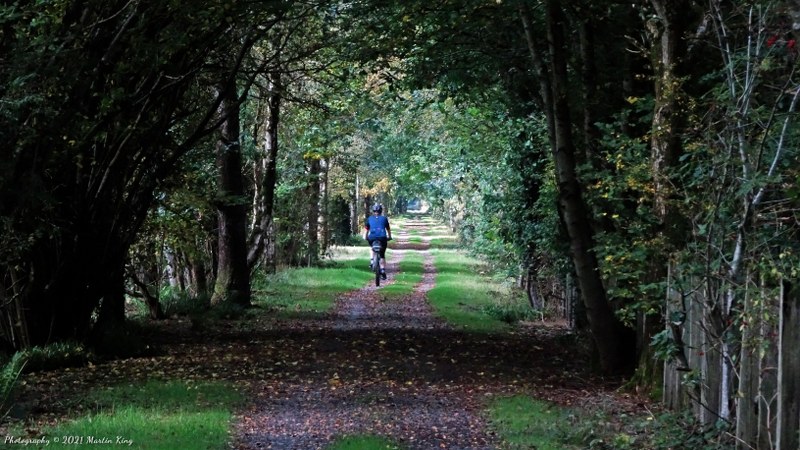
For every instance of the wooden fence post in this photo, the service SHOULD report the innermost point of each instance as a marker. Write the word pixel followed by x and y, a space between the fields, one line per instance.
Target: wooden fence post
pixel 789 369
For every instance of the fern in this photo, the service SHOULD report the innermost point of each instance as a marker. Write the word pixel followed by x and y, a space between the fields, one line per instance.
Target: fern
pixel 9 378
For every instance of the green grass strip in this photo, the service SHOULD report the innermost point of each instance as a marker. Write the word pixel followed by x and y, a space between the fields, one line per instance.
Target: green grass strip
pixel 462 295
pixel 411 270
pixel 445 243
pixel 154 415
pixel 523 423
pixel 312 290
pixel 363 442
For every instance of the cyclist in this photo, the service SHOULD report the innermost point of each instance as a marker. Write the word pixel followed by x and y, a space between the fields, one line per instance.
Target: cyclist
pixel 377 227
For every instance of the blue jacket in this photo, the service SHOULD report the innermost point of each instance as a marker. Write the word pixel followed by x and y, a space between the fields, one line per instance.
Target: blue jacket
pixel 377 226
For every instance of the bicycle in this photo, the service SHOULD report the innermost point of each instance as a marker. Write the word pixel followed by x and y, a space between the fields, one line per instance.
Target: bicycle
pixel 375 263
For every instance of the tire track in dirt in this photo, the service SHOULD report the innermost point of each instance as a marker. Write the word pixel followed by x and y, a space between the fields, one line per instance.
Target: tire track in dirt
pixel 417 413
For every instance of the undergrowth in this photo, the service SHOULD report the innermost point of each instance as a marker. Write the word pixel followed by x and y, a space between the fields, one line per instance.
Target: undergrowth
pixel 523 422
pixel 48 357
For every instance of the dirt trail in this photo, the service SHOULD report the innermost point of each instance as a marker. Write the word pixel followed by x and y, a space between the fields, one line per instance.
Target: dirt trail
pixel 373 366
pixel 414 409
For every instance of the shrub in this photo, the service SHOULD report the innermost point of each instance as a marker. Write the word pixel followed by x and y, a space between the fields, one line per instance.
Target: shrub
pixel 511 311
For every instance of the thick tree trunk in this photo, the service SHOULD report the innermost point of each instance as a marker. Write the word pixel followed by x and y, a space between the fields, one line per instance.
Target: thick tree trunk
pixel 233 275
pixel 614 352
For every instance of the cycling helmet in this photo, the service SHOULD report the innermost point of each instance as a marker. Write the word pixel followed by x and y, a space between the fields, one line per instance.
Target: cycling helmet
pixel 377 208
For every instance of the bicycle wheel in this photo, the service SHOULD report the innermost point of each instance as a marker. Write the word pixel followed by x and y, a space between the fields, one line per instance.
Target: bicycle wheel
pixel 377 267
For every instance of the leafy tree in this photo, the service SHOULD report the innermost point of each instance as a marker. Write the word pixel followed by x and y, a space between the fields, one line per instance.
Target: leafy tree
pixel 100 103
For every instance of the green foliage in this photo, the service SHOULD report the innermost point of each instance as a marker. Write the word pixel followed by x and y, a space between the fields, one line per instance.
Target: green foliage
pixel 621 193
pixel 89 139
pixel 49 357
pixel 671 431
pixel 9 377
pixel 664 346
pixel 56 355
pixel 176 303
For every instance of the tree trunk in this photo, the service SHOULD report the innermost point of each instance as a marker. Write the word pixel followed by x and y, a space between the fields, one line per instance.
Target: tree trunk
pixel 112 305
pixel 532 290
pixel 313 210
pixel 668 59
pixel 614 353
pixel 149 287
pixel 355 222
pixel 669 115
pixel 233 275
pixel 266 178
pixel 199 278
pixel 172 268
pixel 324 222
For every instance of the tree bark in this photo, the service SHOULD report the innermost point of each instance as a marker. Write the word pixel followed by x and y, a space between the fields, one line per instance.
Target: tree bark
pixel 669 117
pixel 233 275
pixel 614 354
pixel 266 177
pixel 355 219
pixel 314 171
pixel 325 233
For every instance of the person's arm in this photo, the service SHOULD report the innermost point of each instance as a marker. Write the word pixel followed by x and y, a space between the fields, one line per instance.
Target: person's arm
pixel 388 230
pixel 366 229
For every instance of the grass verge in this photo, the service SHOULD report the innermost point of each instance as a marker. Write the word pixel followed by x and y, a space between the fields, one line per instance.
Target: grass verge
pixel 310 291
pixel 153 415
pixel 523 422
pixel 463 293
pixel 444 243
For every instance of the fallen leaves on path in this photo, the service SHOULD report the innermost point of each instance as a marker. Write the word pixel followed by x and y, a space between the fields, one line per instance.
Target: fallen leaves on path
pixel 372 366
